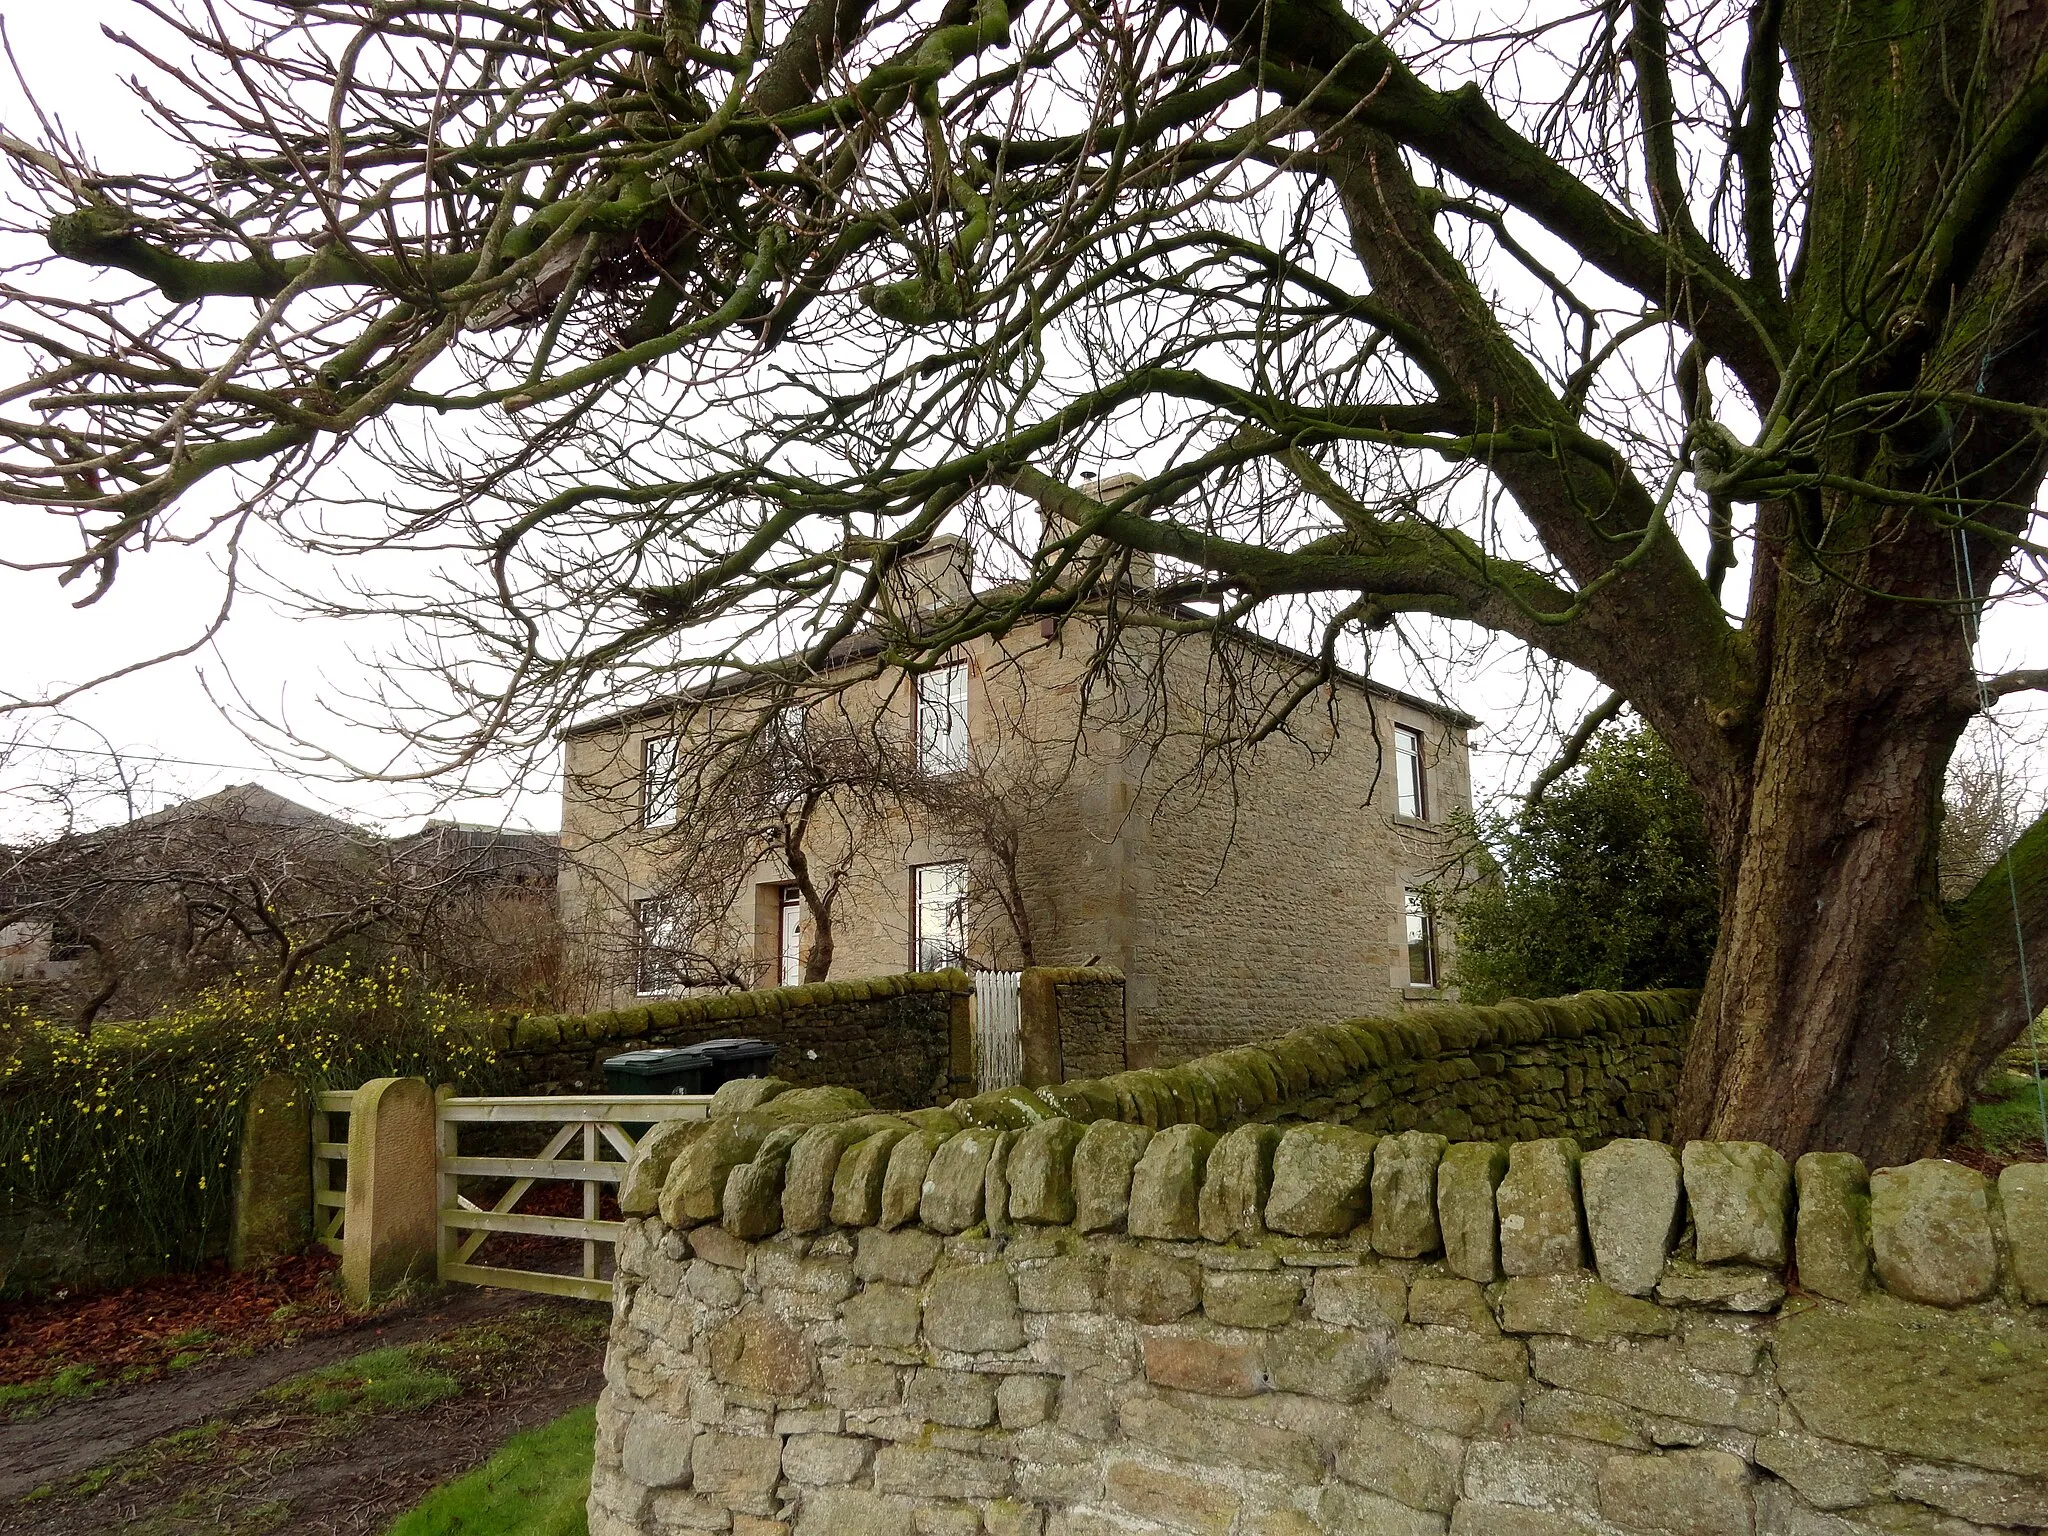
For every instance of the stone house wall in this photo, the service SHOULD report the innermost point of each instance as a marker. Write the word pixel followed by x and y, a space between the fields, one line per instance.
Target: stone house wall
pixel 1271 894
pixel 869 1326
pixel 1237 902
pixel 902 1041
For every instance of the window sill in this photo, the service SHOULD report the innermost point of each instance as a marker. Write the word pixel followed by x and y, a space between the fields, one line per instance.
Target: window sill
pixel 1413 993
pixel 1417 823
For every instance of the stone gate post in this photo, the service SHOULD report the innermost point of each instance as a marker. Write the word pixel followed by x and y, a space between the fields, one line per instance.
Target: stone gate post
pixel 390 1221
pixel 273 1214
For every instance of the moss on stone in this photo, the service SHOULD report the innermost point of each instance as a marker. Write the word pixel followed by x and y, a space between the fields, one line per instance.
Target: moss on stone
pixel 1084 1101
pixel 536 1034
pixel 1920 1381
pixel 1265 1073
pixel 1374 1043
pixel 1427 1042
pixel 1010 1109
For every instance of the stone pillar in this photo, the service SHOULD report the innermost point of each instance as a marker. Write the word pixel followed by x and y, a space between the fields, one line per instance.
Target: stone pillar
pixel 390 1222
pixel 1072 1022
pixel 960 1044
pixel 273 1215
pixel 1038 1006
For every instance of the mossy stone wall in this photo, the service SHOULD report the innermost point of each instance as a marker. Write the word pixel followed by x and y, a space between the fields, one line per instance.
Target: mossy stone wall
pixel 900 1040
pixel 829 1322
pixel 1594 1065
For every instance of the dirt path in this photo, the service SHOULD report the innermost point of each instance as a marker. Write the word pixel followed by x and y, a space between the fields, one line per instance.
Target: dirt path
pixel 394 1467
pixel 80 1437
pixel 272 1470
pixel 338 1447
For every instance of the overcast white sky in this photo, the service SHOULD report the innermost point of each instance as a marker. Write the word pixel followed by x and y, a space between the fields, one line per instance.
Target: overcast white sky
pixel 168 718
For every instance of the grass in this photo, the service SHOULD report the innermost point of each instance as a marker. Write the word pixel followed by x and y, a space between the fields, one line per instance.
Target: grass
pixel 534 1486
pixel 396 1380
pixel 2009 1118
pixel 33 1399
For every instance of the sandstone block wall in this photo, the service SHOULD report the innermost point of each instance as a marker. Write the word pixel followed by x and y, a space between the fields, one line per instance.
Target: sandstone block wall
pixel 1091 1010
pixel 900 1040
pixel 875 1324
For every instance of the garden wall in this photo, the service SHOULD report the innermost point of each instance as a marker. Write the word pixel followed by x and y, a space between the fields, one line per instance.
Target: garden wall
pixel 901 1040
pixel 839 1324
pixel 1597 1064
pixel 1073 1022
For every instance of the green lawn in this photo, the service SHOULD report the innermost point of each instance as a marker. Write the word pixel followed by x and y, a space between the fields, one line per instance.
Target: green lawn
pixel 534 1486
pixel 2012 1120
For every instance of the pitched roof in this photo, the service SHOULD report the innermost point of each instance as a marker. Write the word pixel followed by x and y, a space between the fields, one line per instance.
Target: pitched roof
pixel 248 805
pixel 860 646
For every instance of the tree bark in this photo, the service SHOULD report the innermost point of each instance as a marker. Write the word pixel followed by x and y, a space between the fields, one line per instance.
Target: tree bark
pixel 817 903
pixel 1847 1008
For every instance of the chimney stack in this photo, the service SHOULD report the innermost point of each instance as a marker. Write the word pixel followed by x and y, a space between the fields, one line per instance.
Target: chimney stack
pixel 1141 573
pixel 937 577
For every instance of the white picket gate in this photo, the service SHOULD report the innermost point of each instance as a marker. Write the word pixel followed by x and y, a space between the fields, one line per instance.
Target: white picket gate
pixel 998 1029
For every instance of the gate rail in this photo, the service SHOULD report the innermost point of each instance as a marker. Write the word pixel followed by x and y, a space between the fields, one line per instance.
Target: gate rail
pixel 398 1211
pixel 330 1149
pixel 594 1126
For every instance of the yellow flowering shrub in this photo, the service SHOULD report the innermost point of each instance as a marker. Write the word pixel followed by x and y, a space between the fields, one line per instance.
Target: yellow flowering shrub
pixel 131 1131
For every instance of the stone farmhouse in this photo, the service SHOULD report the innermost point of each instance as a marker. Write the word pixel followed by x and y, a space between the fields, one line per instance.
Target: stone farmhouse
pixel 1080 816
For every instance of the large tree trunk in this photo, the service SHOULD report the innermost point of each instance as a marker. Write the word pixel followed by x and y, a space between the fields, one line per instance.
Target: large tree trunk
pixel 1847 1008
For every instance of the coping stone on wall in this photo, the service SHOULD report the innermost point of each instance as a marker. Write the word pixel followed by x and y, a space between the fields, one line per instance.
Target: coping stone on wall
pixel 978 1382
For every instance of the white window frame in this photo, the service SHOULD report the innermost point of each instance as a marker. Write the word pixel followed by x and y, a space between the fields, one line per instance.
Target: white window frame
pixel 660 792
pixel 1419 929
pixel 785 742
pixel 658 924
pixel 938 915
pixel 941 710
pixel 1411 777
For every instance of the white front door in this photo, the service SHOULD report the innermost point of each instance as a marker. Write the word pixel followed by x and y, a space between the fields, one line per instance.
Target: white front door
pixel 789 967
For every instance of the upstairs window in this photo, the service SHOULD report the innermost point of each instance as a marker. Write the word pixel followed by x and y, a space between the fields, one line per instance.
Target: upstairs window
pixel 787 747
pixel 1421 941
pixel 942 719
pixel 663 935
pixel 1410 796
pixel 938 919
pixel 658 787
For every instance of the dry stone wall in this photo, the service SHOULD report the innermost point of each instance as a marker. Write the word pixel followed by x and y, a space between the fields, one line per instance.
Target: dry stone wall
pixel 830 1322
pixel 1598 1064
pixel 900 1040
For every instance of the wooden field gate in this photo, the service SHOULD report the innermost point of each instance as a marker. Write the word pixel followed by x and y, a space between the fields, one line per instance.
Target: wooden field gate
pixel 589 1143
pixel 330 1155
pixel 429 1211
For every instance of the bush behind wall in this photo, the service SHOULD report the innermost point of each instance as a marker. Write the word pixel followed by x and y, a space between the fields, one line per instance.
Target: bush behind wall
pixel 117 1147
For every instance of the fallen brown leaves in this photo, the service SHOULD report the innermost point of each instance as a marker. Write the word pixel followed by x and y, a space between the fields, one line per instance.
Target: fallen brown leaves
pixel 136 1332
